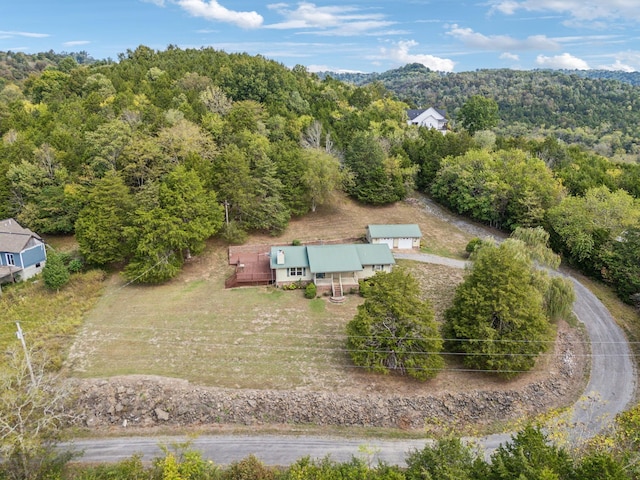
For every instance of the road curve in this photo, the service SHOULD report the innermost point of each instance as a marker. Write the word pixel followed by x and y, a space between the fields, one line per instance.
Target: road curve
pixel 610 389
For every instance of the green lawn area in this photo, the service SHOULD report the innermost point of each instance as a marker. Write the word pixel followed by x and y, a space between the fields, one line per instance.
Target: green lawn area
pixel 256 337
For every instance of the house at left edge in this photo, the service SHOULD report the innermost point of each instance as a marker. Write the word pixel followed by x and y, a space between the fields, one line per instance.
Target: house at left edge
pixel 22 252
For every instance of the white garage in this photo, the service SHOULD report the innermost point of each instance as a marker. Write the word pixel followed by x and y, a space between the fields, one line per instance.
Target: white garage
pixel 398 236
pixel 405 243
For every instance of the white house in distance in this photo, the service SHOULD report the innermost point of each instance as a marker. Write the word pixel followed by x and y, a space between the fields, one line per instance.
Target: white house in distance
pixel 331 267
pixel 429 118
pixel 400 236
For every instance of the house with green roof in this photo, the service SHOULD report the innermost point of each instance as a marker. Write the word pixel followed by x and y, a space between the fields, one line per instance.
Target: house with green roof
pixel 400 236
pixel 332 268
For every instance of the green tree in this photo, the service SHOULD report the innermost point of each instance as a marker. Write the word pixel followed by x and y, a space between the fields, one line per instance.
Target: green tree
pixel 172 225
pixel 584 225
pixel 100 228
pixel 55 273
pixel 621 266
pixel 478 113
pixel 373 182
pixel 506 189
pixel 497 319
pixel 529 456
pixel 322 176
pixel 394 330
pixel 446 459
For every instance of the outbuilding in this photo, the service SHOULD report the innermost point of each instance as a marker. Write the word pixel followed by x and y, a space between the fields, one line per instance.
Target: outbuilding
pixel 396 236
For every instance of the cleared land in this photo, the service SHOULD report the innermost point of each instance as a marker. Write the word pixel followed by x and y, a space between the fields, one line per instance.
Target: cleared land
pixel 263 338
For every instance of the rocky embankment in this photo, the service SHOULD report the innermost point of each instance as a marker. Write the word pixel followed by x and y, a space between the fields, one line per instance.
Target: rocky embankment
pixel 144 402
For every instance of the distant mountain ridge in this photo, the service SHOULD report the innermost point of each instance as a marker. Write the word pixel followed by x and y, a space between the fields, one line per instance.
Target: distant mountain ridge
pixel 578 106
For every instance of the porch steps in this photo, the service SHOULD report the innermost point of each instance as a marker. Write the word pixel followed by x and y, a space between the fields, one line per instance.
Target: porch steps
pixel 337 293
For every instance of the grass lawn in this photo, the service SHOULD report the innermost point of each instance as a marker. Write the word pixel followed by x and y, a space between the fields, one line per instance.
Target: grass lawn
pixel 258 337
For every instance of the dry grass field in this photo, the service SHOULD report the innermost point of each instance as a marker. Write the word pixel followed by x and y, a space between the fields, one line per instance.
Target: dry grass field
pixel 261 337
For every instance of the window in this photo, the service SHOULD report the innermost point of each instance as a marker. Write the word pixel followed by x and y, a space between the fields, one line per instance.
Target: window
pixel 378 268
pixel 297 272
pixel 10 260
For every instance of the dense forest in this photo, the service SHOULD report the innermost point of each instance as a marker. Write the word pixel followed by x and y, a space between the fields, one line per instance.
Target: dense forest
pixel 147 157
pixel 592 108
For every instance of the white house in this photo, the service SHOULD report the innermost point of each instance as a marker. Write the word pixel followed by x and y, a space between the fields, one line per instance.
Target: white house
pixel 399 236
pixel 429 118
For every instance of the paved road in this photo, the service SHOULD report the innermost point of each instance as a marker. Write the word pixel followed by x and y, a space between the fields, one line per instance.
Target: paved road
pixel 610 389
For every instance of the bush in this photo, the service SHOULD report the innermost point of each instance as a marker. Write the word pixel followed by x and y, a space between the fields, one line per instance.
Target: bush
pixel 233 233
pixel 310 291
pixel 249 468
pixel 473 245
pixel 76 265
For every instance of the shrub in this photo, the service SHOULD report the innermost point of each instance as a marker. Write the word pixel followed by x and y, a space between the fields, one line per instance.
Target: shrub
pixel 310 291
pixel 76 265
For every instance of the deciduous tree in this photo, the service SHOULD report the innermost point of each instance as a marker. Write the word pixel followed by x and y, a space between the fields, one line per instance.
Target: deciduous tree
pixel 32 413
pixel 479 113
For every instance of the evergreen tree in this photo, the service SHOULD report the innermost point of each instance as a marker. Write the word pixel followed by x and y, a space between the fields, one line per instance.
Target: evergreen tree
pixel 497 319
pixel 55 274
pixel 173 224
pixel 101 223
pixel 529 456
pixel 394 330
pixel 372 182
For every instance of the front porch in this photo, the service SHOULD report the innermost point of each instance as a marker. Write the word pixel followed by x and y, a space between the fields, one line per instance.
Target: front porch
pixel 336 283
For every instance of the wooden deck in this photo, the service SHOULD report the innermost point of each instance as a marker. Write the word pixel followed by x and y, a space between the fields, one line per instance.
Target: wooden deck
pixel 252 266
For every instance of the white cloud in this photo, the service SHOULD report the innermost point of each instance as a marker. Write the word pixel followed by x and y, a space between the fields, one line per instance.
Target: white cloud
pixel 212 10
pixel 510 56
pixel 618 65
pixel 10 34
pixel 582 10
pixel 326 68
pixel 566 60
pixel 329 20
pixel 159 3
pixel 501 42
pixel 75 43
pixel 400 54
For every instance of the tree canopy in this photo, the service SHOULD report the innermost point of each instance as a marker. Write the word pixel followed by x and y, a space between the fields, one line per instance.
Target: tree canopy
pixel 497 319
pixel 394 330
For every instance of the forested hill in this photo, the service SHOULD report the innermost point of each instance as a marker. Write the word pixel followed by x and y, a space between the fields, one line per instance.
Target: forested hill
pixel 568 105
pixel 16 66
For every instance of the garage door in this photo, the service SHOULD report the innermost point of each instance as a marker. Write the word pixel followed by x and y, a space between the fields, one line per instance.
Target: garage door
pixel 405 243
pixel 388 241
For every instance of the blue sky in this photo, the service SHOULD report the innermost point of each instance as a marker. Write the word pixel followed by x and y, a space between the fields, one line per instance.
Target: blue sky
pixel 343 35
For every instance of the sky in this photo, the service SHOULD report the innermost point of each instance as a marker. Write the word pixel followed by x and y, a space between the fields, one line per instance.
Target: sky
pixel 342 35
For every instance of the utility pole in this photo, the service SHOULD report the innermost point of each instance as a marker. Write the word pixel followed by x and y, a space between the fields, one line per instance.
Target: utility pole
pixel 26 353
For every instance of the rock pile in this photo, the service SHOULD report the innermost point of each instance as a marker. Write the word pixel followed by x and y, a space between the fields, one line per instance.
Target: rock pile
pixel 146 401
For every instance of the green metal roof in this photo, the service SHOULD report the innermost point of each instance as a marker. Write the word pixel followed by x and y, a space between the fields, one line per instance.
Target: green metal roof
pixel 375 254
pixel 293 257
pixel 395 231
pixel 333 258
